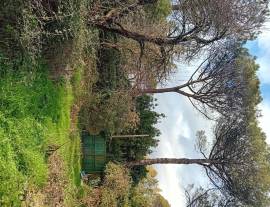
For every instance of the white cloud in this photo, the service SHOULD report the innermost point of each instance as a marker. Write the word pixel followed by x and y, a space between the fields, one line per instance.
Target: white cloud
pixel 265 119
pixel 263 59
pixel 264 71
pixel 178 130
pixel 179 127
pixel 264 37
pixel 264 54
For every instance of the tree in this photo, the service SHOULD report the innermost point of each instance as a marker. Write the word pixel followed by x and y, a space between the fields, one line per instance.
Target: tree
pixel 195 23
pixel 161 202
pixel 144 63
pixel 225 82
pixel 236 165
pixel 193 26
pixel 146 193
pixel 117 9
pixel 147 66
pixel 150 47
pixel 200 197
pixel 255 142
pixel 217 83
pixel 138 148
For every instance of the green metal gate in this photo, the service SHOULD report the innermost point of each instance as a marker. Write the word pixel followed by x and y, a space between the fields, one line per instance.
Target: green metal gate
pixel 94 153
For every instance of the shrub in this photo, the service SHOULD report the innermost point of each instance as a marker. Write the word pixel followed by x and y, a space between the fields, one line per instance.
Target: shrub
pixel 116 186
pixel 160 10
pixel 113 112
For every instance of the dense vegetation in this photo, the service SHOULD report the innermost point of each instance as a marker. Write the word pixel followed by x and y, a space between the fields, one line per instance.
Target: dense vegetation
pixel 40 143
pixel 93 65
pixel 51 72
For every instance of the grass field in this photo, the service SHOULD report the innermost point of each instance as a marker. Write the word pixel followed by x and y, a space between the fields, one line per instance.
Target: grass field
pixel 42 64
pixel 34 115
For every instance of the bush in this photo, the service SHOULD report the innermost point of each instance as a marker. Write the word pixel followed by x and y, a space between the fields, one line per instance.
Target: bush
pixel 160 10
pixel 137 149
pixel 112 112
pixel 116 186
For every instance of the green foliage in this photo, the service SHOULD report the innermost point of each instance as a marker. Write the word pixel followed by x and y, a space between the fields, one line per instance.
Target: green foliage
pixel 145 193
pixel 252 96
pixel 116 185
pixel 34 113
pixel 71 154
pixel 108 112
pixel 159 10
pixel 74 160
pixel 33 28
pixel 11 178
pixel 138 148
pixel 107 106
pixel 17 80
pixel 118 190
pixel 258 184
pixel 23 106
pixel 111 77
pixel 161 202
pixel 11 16
pixel 76 80
pixel 34 110
pixel 245 179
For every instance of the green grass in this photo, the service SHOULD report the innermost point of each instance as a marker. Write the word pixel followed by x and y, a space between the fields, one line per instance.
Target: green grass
pixel 34 110
pixel 72 156
pixel 27 101
pixel 34 113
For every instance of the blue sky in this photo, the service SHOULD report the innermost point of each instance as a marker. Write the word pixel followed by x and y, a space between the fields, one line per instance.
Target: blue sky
pixel 182 121
pixel 261 51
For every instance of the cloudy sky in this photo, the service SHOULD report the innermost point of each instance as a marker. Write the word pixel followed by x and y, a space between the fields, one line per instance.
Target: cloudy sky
pixel 182 121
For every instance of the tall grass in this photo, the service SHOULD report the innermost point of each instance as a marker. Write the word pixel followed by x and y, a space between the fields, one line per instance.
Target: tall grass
pixel 34 110
pixel 34 113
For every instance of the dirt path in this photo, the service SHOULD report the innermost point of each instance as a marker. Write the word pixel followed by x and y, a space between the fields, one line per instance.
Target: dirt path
pixel 52 195
pixel 57 182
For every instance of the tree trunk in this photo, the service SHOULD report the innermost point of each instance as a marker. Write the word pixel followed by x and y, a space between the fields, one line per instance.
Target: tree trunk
pixel 142 37
pixel 176 7
pixel 158 90
pixel 166 90
pixel 176 89
pixel 130 136
pixel 185 161
pixel 144 2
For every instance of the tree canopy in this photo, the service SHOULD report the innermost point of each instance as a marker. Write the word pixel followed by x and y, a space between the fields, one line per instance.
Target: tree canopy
pixel 237 163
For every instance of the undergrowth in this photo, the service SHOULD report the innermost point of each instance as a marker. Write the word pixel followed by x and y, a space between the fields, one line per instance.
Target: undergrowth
pixel 30 111
pixel 40 42
pixel 34 114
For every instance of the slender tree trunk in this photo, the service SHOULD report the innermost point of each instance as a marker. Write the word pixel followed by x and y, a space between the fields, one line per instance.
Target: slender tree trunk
pixel 159 90
pixel 130 136
pixel 185 161
pixel 176 89
pixel 144 2
pixel 166 90
pixel 176 7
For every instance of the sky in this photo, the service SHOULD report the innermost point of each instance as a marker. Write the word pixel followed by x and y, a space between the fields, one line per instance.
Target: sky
pixel 179 127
